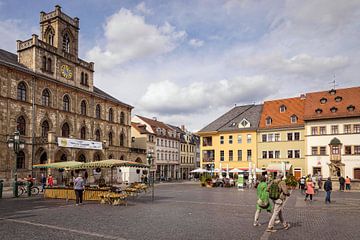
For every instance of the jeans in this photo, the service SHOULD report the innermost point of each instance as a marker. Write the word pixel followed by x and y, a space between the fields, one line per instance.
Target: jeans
pixel 308 195
pixel 327 198
pixel 79 195
pixel 342 187
pixel 278 205
pixel 347 186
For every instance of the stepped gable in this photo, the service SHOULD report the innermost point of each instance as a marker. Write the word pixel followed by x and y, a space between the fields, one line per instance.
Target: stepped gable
pixel 280 111
pixel 336 103
pixel 230 121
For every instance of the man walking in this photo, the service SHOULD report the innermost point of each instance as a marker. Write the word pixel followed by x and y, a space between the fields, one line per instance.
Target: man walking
pixel 328 189
pixel 347 183
pixel 342 183
pixel 278 192
pixel 79 187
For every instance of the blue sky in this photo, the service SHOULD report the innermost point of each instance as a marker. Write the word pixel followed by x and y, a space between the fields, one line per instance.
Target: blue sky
pixel 187 62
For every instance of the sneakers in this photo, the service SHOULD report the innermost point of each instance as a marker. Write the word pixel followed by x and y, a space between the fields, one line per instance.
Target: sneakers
pixel 286 226
pixel 277 221
pixel 77 204
pixel 272 230
pixel 257 224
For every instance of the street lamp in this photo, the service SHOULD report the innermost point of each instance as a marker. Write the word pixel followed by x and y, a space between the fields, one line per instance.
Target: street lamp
pixel 152 177
pixel 16 144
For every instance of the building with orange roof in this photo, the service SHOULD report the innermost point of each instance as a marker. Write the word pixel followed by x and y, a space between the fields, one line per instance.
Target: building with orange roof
pixel 332 131
pixel 281 136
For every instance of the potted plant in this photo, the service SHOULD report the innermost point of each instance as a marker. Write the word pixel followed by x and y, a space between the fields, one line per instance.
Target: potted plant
pixel 291 182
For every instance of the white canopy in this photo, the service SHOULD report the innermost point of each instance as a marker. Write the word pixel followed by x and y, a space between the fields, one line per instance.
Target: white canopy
pixel 199 170
pixel 236 170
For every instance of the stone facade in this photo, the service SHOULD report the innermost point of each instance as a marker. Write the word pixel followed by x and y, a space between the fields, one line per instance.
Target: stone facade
pixel 37 94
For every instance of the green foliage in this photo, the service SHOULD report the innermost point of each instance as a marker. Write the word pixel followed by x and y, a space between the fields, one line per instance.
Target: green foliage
pixel 204 179
pixel 291 181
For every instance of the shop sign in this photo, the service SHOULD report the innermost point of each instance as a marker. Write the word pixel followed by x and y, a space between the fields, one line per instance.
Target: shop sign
pixel 77 143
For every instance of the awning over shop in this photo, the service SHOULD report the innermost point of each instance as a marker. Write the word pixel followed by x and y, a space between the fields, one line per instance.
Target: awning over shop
pixel 277 167
pixel 109 164
pixel 59 165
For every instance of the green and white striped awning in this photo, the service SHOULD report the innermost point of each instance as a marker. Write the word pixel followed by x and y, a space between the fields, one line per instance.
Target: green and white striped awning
pixel 59 165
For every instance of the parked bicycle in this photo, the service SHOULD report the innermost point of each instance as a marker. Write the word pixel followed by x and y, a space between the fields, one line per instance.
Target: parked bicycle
pixel 22 189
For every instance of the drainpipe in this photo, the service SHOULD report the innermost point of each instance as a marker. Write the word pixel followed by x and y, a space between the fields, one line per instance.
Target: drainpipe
pixel 33 126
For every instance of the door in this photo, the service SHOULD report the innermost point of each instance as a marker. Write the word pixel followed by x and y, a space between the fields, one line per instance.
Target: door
pixel 297 173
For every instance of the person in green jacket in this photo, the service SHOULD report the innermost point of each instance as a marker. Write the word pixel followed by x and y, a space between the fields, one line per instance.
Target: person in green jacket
pixel 263 201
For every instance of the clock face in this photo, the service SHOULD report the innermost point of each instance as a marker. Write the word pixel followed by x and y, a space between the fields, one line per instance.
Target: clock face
pixel 66 71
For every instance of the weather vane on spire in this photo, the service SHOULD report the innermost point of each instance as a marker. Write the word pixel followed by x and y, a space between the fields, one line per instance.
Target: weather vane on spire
pixel 334 82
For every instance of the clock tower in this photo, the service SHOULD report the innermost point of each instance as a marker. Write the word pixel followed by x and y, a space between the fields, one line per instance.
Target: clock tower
pixel 55 52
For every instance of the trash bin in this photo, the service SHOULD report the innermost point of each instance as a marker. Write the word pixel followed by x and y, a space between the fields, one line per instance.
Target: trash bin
pixel 1 187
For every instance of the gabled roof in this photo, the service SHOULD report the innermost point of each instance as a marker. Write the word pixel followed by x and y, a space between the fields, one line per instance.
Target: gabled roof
pixel 293 107
pixel 155 124
pixel 230 120
pixel 141 128
pixel 323 105
pixel 11 60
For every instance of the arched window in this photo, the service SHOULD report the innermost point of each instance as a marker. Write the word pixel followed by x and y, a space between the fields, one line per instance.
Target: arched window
pixel 66 103
pixel 50 37
pixel 45 98
pixel 63 158
pixel 111 115
pixel 122 157
pixel 122 118
pixel 97 157
pixel 43 158
pixel 122 139
pixel 83 108
pixel 21 125
pixel 65 130
pixel 66 43
pixel 110 139
pixel 44 128
pixel 82 158
pixel 97 135
pixel 21 91
pixel 98 111
pixel 86 79
pixel 20 160
pixel 83 133
pixel 49 65
pixel 82 78
pixel 43 63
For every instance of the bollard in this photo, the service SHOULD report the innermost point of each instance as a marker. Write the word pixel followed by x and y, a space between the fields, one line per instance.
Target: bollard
pixel 1 188
pixel 28 187
pixel 16 189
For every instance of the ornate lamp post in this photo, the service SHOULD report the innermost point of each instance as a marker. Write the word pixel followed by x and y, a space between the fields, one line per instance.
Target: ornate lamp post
pixel 16 144
pixel 152 177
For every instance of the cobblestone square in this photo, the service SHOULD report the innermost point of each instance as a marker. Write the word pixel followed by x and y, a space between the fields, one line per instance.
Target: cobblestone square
pixel 180 211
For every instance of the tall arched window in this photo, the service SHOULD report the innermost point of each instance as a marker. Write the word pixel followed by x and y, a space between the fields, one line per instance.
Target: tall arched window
pixel 111 115
pixel 82 158
pixel 49 65
pixel 110 139
pixel 44 128
pixel 21 125
pixel 82 78
pixel 122 139
pixel 65 130
pixel 83 108
pixel 66 43
pixel 63 158
pixel 97 135
pixel 83 133
pixel 45 98
pixel 122 118
pixel 43 63
pixel 50 37
pixel 86 79
pixel 98 111
pixel 66 103
pixel 21 91
pixel 20 160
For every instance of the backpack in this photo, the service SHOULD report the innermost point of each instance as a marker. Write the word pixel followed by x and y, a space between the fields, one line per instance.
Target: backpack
pixel 274 191
pixel 263 200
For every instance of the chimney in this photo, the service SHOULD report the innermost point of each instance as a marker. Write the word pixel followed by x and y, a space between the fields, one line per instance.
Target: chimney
pixel 183 127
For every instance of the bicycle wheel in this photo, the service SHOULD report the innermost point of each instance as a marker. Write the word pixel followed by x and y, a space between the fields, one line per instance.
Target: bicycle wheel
pixel 20 191
pixel 34 191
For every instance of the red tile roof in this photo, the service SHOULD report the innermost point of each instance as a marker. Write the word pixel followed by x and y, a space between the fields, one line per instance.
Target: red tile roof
pixel 155 124
pixel 347 98
pixel 294 106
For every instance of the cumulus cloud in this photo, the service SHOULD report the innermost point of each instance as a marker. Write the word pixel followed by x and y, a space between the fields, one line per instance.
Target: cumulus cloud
pixel 170 98
pixel 196 42
pixel 141 8
pixel 128 37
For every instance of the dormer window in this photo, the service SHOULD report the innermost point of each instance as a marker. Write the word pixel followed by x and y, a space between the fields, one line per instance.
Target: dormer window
pixel 323 100
pixel 282 108
pixel 333 109
pixel 294 118
pixel 244 124
pixel 332 91
pixel 268 121
pixel 351 108
pixel 338 99
pixel 318 111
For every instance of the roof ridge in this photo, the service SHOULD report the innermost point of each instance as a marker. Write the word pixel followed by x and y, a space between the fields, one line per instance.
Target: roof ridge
pixel 249 106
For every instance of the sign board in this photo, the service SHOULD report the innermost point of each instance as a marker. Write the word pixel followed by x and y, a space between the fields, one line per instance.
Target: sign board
pixel 77 143
pixel 240 181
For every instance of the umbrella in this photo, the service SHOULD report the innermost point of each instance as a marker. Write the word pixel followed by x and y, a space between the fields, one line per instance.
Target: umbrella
pixel 227 171
pixel 236 170
pixel 199 170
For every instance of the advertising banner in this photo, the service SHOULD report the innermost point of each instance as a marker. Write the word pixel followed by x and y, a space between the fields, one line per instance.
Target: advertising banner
pixel 77 143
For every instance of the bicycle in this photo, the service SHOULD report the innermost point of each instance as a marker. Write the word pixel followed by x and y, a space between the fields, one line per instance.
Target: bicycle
pixel 23 189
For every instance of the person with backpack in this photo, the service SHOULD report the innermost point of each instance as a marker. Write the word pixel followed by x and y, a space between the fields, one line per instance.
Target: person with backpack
pixel 263 201
pixel 277 193
pixel 342 183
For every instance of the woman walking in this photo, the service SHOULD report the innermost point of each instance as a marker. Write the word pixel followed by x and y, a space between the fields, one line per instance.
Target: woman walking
pixel 309 189
pixel 79 187
pixel 263 202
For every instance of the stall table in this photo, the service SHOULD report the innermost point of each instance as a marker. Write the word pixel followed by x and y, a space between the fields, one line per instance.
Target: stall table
pixel 91 194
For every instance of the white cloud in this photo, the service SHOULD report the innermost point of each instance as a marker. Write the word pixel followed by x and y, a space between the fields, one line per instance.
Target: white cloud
pixel 196 42
pixel 128 37
pixel 168 97
pixel 141 7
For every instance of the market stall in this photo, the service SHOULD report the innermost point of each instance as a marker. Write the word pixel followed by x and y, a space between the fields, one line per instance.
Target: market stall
pixel 94 190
